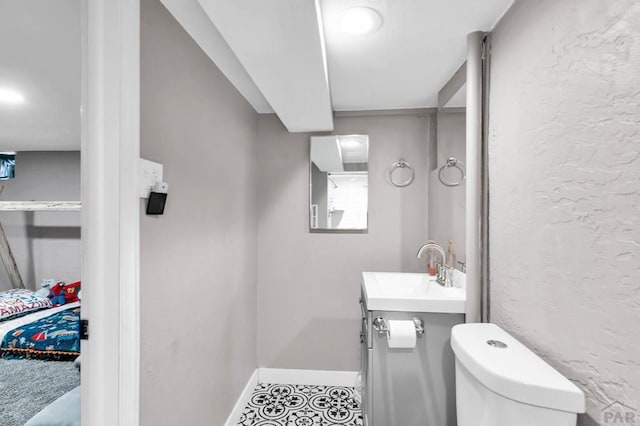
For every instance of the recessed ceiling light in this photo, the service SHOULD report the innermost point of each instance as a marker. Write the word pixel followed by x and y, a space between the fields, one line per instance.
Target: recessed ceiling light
pixel 350 143
pixel 10 96
pixel 360 20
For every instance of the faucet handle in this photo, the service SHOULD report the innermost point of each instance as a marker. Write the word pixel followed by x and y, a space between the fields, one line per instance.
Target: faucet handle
pixel 445 275
pixel 440 272
pixel 448 276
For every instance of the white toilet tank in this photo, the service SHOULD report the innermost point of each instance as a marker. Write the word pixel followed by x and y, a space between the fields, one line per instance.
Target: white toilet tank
pixel 499 382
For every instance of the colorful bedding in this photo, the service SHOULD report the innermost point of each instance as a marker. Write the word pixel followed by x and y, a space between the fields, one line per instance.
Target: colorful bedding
pixel 18 302
pixel 54 337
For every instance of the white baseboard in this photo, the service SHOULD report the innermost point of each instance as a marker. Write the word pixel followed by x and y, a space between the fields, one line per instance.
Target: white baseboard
pixel 307 377
pixel 243 400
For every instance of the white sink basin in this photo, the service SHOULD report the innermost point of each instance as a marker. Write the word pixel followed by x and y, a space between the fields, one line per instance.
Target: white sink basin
pixel 406 292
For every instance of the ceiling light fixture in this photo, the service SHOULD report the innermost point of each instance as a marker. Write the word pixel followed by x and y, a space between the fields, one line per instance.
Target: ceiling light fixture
pixel 350 143
pixel 360 21
pixel 10 97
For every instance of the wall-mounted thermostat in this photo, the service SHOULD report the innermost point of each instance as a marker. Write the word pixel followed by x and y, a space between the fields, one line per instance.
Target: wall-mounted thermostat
pixel 157 198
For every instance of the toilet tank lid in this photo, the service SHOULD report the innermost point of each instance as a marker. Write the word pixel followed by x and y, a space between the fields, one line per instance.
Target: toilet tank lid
pixel 513 371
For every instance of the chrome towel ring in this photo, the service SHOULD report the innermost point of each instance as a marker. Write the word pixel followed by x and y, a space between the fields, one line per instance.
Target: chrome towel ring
pixel 451 163
pixel 400 164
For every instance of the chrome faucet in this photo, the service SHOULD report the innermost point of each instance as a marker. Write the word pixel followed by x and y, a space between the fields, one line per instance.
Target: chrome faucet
pixel 444 272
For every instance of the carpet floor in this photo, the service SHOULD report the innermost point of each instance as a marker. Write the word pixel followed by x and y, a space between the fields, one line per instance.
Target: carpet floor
pixel 27 386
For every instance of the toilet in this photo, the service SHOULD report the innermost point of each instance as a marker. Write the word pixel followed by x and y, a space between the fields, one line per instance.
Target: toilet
pixel 500 382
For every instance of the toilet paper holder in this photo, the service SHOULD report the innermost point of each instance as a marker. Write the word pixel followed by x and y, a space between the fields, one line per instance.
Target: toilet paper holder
pixel 380 325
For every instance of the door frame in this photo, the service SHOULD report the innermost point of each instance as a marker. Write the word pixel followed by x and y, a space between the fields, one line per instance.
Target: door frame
pixel 110 212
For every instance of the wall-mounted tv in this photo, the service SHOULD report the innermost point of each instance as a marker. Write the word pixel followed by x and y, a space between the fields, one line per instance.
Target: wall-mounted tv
pixel 7 165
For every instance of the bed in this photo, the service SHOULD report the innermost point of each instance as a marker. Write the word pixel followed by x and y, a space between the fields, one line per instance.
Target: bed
pixel 31 327
pixel 41 332
pixel 49 334
pixel 35 340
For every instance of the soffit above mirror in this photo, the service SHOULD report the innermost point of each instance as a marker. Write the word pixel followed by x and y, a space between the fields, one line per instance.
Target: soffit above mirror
pixel 190 15
pixel 280 45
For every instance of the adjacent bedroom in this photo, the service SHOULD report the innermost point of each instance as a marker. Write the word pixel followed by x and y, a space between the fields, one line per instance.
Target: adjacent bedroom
pixel 40 235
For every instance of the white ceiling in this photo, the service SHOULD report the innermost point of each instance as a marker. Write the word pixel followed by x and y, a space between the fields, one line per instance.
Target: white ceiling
pixel 281 48
pixel 273 51
pixel 407 61
pixel 332 153
pixel 354 148
pixel 41 58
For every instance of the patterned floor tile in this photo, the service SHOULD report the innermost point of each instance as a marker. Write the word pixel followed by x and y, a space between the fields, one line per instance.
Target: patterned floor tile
pixel 297 405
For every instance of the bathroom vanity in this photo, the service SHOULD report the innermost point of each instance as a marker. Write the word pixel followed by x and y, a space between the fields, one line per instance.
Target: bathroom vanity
pixel 409 386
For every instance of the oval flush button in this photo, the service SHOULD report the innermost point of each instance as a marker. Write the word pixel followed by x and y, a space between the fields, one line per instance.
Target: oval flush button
pixel 496 344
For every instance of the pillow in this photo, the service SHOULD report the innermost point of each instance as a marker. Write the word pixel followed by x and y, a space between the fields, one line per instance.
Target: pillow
pixel 21 301
pixel 64 411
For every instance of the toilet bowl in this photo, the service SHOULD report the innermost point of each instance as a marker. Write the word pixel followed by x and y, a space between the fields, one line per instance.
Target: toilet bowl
pixel 499 382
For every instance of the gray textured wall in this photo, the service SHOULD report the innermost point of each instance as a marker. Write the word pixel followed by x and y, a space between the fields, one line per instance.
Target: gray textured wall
pixel 447 204
pixel 565 189
pixel 309 284
pixel 198 261
pixel 44 244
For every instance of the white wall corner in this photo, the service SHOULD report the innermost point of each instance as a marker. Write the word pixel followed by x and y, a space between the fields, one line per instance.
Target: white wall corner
pixel 243 400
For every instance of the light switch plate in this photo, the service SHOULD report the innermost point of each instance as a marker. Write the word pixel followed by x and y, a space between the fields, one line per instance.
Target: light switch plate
pixel 149 173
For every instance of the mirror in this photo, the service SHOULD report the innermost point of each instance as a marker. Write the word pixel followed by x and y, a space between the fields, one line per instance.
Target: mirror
pixel 339 183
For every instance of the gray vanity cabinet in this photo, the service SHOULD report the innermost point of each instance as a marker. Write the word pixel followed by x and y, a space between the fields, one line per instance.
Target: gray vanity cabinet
pixel 365 362
pixel 409 387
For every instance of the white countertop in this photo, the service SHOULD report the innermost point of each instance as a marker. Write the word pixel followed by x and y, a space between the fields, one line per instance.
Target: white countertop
pixel 410 292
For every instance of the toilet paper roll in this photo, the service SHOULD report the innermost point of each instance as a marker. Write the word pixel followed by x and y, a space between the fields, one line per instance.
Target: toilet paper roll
pixel 401 334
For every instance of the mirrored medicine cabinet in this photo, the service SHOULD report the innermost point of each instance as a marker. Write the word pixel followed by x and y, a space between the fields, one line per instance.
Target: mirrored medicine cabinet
pixel 339 184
